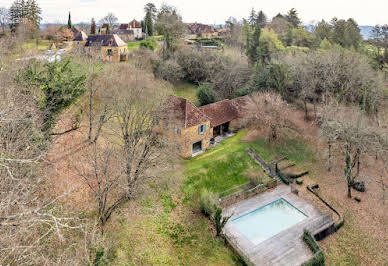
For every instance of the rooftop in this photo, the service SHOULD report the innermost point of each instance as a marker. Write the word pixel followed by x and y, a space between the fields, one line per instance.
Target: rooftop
pixel 111 40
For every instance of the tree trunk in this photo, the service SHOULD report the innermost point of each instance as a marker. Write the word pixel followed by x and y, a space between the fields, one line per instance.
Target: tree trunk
pixel 306 115
pixel 329 157
pixel 90 114
pixel 348 169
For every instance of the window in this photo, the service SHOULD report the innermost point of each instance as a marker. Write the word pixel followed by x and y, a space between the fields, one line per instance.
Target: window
pixel 179 132
pixel 109 52
pixel 165 125
pixel 202 129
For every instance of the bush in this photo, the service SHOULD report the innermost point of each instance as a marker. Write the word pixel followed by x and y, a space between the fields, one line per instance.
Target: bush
pixel 206 94
pixel 219 221
pixel 208 203
pixel 299 182
pixel 149 43
pixel 318 259
pixel 168 70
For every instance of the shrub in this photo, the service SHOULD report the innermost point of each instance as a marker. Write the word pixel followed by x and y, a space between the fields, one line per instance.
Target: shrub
pixel 318 259
pixel 149 43
pixel 219 221
pixel 208 202
pixel 206 94
pixel 168 70
pixel 299 182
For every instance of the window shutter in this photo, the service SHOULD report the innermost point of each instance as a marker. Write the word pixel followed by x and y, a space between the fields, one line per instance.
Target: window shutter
pixel 205 127
pixel 199 130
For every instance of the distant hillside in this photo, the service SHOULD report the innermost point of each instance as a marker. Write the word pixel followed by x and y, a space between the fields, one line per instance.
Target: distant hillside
pixel 366 32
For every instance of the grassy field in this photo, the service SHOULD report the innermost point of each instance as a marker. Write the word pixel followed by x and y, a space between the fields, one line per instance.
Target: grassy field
pixel 186 90
pixel 42 44
pixel 228 164
pixel 132 46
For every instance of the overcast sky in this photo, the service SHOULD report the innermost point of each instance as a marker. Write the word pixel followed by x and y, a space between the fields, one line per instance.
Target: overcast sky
pixel 215 11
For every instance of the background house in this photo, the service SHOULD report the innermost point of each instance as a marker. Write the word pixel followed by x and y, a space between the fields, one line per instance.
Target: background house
pixel 79 41
pixel 108 47
pixel 198 30
pixel 135 26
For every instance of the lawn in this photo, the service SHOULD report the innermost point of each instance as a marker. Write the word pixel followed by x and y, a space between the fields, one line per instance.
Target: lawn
pixel 132 46
pixel 229 165
pixel 42 44
pixel 186 90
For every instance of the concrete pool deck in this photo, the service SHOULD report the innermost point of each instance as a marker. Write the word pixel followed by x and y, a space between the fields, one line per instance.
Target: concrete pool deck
pixel 284 248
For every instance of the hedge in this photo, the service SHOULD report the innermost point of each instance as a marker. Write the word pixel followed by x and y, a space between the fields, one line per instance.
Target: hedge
pixel 319 258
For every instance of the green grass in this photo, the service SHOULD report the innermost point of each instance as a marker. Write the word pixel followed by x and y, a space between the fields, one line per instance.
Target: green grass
pixel 166 231
pixel 42 44
pixel 186 90
pixel 132 46
pixel 228 164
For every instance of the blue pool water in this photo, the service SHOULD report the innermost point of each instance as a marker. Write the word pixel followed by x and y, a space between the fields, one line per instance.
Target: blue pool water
pixel 268 220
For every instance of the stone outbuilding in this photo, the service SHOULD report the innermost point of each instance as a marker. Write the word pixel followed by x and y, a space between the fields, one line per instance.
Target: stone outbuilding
pixel 192 129
pixel 108 47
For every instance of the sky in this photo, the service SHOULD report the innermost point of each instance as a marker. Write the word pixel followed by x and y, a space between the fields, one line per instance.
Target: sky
pixel 370 12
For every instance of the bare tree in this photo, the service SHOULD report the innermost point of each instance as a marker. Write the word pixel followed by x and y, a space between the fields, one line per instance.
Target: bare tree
pixel 109 19
pixel 268 110
pixel 354 133
pixel 103 175
pixel 30 216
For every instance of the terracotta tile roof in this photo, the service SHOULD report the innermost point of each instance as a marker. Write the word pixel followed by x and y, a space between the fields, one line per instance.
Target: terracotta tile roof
pixel 105 25
pixel 220 112
pixel 105 40
pixel 183 112
pixel 123 32
pixel 197 28
pixel 80 36
pixel 123 26
pixel 134 24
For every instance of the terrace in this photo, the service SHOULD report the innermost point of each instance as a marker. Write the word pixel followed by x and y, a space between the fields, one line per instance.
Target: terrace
pixel 265 232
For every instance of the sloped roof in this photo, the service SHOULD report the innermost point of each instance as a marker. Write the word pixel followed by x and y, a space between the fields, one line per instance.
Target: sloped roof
pixel 123 26
pixel 123 32
pixel 81 36
pixel 183 112
pixel 134 24
pixel 220 112
pixel 105 25
pixel 105 40
pixel 198 28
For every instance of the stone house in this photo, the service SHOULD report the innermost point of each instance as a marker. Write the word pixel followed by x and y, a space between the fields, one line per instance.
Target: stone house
pixel 108 47
pixel 198 30
pixel 135 26
pixel 79 41
pixel 192 129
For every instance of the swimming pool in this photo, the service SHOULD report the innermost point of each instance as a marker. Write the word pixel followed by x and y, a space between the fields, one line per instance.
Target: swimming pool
pixel 268 220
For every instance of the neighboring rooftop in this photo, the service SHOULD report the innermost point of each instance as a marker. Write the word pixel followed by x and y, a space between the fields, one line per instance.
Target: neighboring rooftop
pixel 80 36
pixel 198 28
pixel 220 112
pixel 134 24
pixel 111 40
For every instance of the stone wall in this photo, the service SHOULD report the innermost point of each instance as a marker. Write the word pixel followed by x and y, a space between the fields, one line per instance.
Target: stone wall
pixel 116 53
pixel 191 136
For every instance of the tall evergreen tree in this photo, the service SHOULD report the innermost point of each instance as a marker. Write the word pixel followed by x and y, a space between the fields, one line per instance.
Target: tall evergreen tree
pixel 261 19
pixel 253 52
pixel 252 18
pixel 69 22
pixel 22 9
pixel 149 19
pixel 292 17
pixel 93 27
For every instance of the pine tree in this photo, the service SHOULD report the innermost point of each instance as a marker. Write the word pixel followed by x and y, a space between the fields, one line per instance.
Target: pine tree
pixel 33 12
pixel 149 25
pixel 252 18
pixel 93 27
pixel 69 22
pixel 261 19
pixel 253 52
pixel 292 17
